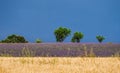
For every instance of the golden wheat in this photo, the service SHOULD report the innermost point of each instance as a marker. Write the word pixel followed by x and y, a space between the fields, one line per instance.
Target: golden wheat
pixel 59 65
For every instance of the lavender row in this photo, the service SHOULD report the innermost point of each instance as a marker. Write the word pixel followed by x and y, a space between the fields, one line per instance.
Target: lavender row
pixel 57 49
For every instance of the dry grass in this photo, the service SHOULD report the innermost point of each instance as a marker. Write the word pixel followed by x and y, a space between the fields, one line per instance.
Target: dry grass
pixel 59 65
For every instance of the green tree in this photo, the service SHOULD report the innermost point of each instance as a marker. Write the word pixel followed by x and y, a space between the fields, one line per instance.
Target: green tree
pixel 38 41
pixel 61 33
pixel 77 37
pixel 73 40
pixel 100 38
pixel 14 39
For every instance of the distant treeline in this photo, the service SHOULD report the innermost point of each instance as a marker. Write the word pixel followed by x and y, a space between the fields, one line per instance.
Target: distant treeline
pixel 60 33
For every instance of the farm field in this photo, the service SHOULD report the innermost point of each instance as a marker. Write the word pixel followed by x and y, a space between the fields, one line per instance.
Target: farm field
pixel 59 58
pixel 59 65
pixel 59 49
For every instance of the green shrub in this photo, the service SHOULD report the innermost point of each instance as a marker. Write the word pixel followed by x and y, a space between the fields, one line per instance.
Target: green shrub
pixel 38 41
pixel 14 39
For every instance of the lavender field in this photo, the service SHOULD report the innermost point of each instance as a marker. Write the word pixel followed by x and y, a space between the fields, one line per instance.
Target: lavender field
pixel 59 49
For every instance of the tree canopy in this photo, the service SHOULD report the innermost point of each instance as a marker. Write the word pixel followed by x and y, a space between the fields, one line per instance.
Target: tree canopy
pixel 61 33
pixel 14 39
pixel 100 38
pixel 77 37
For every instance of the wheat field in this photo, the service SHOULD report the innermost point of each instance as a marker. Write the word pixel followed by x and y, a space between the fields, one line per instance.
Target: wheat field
pixel 59 65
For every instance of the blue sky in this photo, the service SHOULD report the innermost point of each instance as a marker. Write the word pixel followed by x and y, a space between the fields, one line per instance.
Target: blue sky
pixel 39 18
